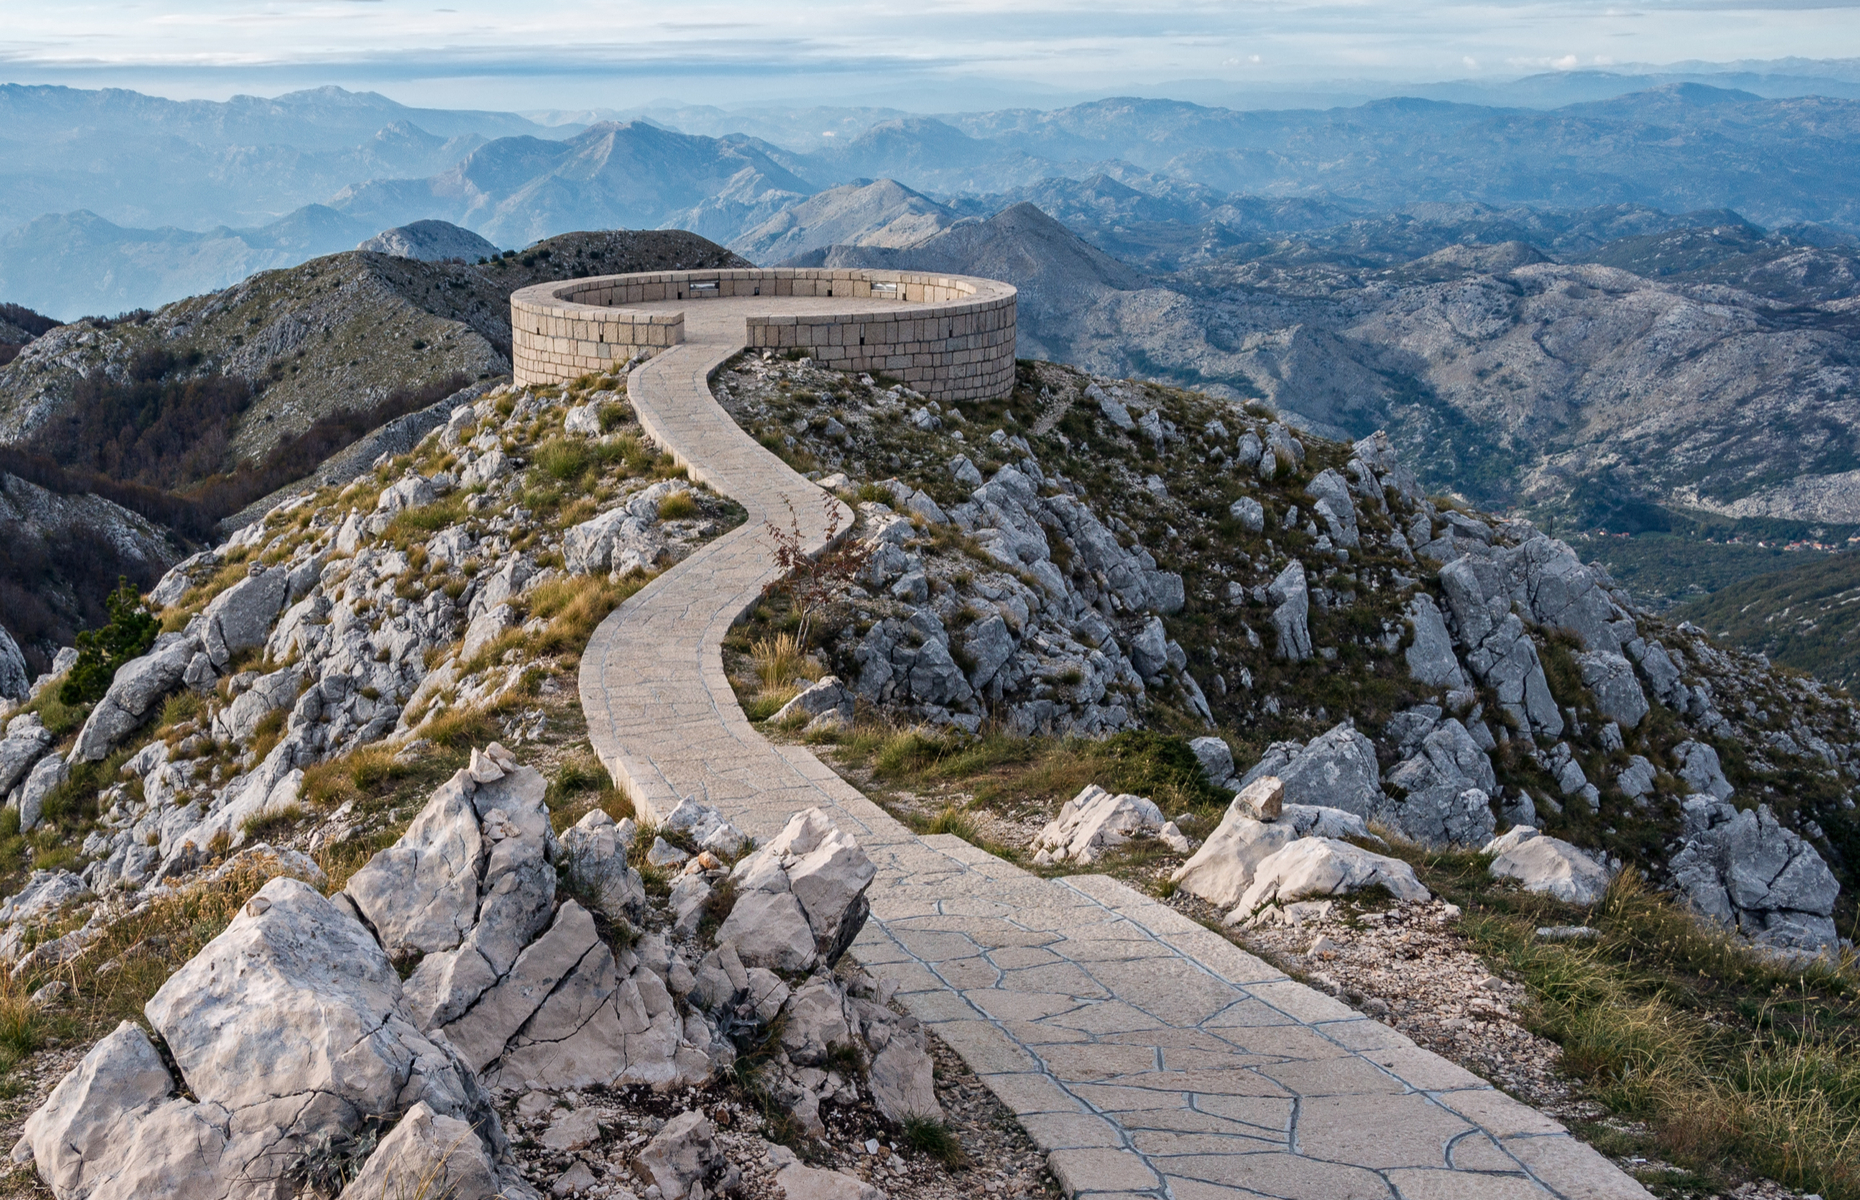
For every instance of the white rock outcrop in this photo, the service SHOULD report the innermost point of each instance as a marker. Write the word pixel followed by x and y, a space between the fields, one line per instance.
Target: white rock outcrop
pixel 1548 866
pixel 1094 822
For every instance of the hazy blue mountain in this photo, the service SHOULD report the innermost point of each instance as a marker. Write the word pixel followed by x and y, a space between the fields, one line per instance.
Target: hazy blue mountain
pixel 145 161
pixel 637 175
pixel 885 213
pixel 79 264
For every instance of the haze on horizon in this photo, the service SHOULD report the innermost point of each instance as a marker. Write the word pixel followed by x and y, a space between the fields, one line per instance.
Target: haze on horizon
pixel 946 54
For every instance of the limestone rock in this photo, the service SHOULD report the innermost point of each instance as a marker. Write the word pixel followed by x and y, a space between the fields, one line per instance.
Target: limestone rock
pixel 595 852
pixel 1337 769
pixel 679 1155
pixel 40 782
pixel 799 1182
pixel 819 699
pixel 1610 679
pixel 428 1154
pixel 412 491
pixel 1095 821
pixel 1223 868
pixel 822 872
pixel 1333 503
pixel 1548 866
pixel 706 826
pixel 1291 612
pixel 113 1129
pixel 1263 799
pixel 1445 788
pixel 1321 866
pixel 25 743
pixel 618 541
pixel 15 681
pixel 1249 512
pixel 139 684
pixel 1699 768
pixel 1499 651
pixel 1430 656
pixel 1745 869
pixel 291 1024
pixel 240 617
pixel 1217 761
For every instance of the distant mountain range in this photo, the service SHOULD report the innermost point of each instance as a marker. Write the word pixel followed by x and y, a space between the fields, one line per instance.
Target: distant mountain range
pixel 198 190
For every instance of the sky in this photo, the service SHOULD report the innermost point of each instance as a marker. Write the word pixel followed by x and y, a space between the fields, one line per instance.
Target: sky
pixel 934 54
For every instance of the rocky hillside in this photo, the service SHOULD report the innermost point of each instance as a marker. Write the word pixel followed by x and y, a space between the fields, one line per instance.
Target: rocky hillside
pixel 1145 583
pixel 1094 556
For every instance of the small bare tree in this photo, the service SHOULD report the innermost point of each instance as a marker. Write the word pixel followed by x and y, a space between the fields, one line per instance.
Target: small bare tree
pixel 813 582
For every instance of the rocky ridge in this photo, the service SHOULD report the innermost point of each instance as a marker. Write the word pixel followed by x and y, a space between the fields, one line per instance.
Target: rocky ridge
pixel 1493 679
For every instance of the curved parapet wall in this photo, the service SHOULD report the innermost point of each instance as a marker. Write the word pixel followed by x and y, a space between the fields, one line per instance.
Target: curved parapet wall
pixel 951 337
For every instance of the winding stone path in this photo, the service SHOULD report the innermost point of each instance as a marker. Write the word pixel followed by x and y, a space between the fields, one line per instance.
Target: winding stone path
pixel 1145 1054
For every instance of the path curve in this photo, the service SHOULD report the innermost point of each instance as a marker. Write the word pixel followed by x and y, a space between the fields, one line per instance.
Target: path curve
pixel 1144 1054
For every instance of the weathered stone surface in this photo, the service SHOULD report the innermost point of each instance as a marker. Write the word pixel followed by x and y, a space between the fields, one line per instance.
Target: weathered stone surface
pixel 823 874
pixel 1745 869
pixel 595 852
pixel 411 491
pixel 1319 866
pixel 40 782
pixel 901 1077
pixel 291 1023
pixel 1499 651
pixel 113 1129
pixel 15 679
pixel 770 930
pixel 617 541
pixel 139 684
pixel 800 1182
pixel 1548 866
pixel 239 618
pixel 1637 778
pixel 1217 761
pixel 1094 822
pixel 680 1155
pixel 428 1154
pixel 421 894
pixel 1291 612
pixel 1263 799
pixel 1223 868
pixel 25 743
pixel 817 700
pixel 1337 769
pixel 583 419
pixel 1249 512
pixel 1430 656
pixel 1698 767
pixel 1333 504
pixel 1445 788
pixel 1610 679
pixel 705 825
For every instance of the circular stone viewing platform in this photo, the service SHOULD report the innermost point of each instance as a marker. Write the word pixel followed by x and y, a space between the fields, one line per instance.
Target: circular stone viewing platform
pixel 951 337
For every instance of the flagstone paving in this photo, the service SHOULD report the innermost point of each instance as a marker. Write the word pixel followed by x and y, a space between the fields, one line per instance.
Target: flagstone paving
pixel 1146 1055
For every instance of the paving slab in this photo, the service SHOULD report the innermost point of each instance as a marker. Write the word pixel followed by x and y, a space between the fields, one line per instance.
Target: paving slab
pixel 1151 1057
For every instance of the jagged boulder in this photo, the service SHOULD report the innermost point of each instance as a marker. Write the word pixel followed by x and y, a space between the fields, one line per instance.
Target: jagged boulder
pixel 594 853
pixel 239 618
pixel 1330 492
pixel 139 685
pixel 1744 869
pixel 26 742
pixel 1337 769
pixel 1223 868
pixel 811 868
pixel 1430 655
pixel 1445 790
pixel 1291 612
pixel 1499 651
pixel 1094 822
pixel 1546 865
pixel 428 1154
pixel 1610 679
pixel 15 679
pixel 1321 866
pixel 1699 769
pixel 288 1030
pixel 828 696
